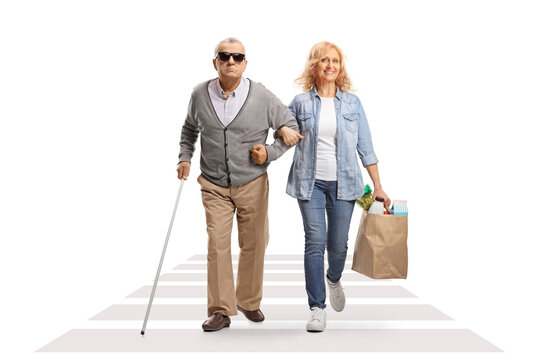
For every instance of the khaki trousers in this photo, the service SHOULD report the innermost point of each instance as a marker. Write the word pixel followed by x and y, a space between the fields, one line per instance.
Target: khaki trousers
pixel 250 202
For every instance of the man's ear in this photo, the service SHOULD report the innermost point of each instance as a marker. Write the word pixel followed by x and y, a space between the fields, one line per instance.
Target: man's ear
pixel 214 62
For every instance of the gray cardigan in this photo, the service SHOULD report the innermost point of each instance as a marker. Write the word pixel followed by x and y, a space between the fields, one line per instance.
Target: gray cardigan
pixel 225 151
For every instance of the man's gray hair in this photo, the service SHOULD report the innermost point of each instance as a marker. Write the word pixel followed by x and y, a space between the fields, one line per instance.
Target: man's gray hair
pixel 228 40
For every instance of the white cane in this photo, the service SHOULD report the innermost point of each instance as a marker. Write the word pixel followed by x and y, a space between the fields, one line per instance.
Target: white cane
pixel 162 257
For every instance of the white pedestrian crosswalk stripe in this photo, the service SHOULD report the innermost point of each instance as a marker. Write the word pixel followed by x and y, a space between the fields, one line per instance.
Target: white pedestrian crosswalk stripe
pixel 380 315
pixel 290 312
pixel 189 291
pixel 289 340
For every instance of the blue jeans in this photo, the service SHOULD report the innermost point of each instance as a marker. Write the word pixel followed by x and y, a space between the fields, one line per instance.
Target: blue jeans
pixel 339 212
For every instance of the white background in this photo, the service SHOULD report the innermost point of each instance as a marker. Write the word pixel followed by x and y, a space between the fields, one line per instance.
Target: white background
pixel 93 95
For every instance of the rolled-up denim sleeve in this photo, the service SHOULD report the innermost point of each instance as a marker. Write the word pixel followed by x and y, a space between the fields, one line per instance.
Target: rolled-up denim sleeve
pixel 364 146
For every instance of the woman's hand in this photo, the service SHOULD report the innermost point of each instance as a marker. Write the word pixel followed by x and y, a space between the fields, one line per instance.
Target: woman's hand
pixel 373 172
pixel 290 137
pixel 380 193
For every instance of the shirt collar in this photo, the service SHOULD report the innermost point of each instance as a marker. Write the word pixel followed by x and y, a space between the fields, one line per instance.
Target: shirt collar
pixel 233 93
pixel 221 92
pixel 314 93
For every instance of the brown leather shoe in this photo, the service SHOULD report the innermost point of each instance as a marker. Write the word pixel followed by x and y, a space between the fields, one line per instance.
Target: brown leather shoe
pixel 253 315
pixel 216 322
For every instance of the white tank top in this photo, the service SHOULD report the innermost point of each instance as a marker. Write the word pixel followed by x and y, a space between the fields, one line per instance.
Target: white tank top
pixel 326 143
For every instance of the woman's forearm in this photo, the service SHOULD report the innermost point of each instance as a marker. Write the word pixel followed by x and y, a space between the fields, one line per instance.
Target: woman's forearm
pixel 378 191
pixel 373 172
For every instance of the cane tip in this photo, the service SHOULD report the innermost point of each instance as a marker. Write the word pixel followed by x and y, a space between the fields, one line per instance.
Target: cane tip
pixel 142 332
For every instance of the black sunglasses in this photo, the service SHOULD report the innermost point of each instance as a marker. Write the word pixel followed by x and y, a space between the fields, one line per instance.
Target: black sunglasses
pixel 225 56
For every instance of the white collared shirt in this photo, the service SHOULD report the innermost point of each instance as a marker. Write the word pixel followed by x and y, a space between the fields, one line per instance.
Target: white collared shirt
pixel 228 108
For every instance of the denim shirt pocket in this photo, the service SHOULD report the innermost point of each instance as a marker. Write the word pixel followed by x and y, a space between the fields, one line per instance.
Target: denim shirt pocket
pixel 351 121
pixel 304 116
pixel 304 121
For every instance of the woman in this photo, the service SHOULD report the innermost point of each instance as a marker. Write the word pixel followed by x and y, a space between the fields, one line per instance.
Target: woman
pixel 325 175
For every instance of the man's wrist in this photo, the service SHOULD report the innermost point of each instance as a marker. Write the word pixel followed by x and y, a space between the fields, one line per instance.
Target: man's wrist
pixel 267 154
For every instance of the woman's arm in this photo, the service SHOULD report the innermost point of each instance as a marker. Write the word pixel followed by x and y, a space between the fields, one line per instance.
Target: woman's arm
pixel 373 172
pixel 290 136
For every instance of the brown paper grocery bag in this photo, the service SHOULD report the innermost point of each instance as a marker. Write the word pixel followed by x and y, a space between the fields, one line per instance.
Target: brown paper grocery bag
pixel 381 246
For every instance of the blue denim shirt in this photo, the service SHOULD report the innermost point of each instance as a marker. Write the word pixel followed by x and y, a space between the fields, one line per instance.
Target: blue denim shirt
pixel 353 136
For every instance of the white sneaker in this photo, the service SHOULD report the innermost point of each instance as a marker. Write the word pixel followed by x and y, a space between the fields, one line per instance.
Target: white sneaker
pixel 317 321
pixel 337 296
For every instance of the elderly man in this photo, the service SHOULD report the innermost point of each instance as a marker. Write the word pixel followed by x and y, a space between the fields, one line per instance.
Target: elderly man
pixel 233 115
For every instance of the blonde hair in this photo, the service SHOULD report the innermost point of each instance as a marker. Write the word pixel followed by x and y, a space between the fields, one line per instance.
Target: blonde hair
pixel 308 78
